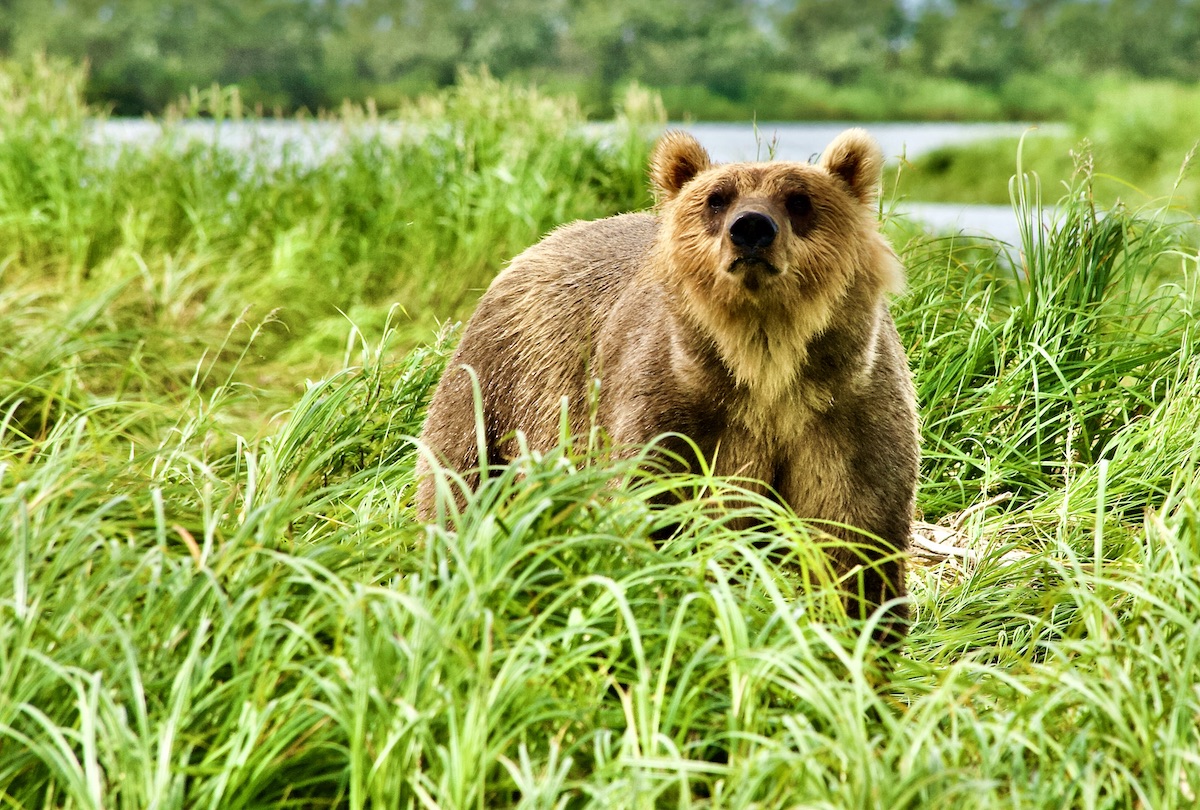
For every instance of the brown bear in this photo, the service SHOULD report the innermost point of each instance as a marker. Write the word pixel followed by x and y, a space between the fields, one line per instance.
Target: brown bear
pixel 748 314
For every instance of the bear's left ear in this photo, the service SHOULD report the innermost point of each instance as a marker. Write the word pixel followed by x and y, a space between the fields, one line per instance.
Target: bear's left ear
pixel 678 157
pixel 856 158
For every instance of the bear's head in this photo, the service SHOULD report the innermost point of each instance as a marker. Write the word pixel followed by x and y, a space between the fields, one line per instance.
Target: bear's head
pixel 768 255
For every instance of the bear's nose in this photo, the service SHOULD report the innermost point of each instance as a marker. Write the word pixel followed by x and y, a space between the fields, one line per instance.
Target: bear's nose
pixel 753 230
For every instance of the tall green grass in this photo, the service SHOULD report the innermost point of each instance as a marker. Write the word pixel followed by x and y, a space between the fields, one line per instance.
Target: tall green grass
pixel 192 240
pixel 1035 361
pixel 213 591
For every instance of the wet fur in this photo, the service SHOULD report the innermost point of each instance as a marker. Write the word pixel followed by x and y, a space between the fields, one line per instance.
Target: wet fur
pixel 781 364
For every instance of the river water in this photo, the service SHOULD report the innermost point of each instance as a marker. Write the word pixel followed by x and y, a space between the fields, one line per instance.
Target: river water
pixel 314 140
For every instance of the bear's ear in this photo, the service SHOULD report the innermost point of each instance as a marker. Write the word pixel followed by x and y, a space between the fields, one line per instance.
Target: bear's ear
pixel 678 157
pixel 856 158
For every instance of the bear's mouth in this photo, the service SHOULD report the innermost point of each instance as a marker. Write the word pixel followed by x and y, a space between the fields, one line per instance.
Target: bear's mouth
pixel 753 270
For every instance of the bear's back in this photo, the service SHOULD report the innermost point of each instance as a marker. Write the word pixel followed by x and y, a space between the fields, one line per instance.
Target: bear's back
pixel 577 270
pixel 534 336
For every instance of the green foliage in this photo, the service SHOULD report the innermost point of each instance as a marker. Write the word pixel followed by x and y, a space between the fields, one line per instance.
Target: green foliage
pixel 214 593
pixel 1145 128
pixel 841 42
pixel 897 96
pixel 992 58
pixel 1140 136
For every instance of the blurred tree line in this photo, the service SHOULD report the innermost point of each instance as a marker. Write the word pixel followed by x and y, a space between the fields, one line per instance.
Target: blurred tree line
pixel 775 57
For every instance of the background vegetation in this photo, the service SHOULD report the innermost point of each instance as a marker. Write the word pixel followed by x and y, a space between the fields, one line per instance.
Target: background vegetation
pixel 213 592
pixel 711 59
pixel 1140 137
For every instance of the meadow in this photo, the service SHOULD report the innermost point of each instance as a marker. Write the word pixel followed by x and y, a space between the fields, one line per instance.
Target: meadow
pixel 214 592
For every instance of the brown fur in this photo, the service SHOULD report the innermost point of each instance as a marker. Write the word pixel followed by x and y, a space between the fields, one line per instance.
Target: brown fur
pixel 780 362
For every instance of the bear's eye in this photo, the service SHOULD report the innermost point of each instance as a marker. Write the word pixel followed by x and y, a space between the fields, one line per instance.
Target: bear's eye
pixel 718 200
pixel 799 205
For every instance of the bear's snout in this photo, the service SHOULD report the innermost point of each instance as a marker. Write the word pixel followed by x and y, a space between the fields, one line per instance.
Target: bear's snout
pixel 753 230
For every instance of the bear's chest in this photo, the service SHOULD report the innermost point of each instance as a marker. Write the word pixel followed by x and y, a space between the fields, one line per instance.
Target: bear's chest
pixel 796 451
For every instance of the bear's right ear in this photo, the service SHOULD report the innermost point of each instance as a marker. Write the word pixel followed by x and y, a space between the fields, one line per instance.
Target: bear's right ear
pixel 678 157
